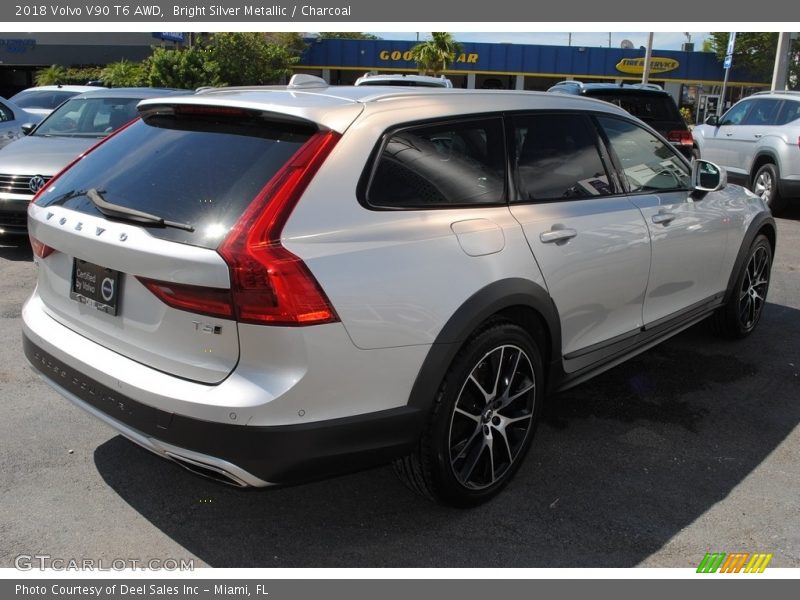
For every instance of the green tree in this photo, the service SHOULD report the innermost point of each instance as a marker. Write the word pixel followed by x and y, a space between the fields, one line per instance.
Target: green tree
pixel 248 58
pixel 436 54
pixel 124 73
pixel 347 35
pixel 52 75
pixel 755 53
pixel 187 68
pixel 61 75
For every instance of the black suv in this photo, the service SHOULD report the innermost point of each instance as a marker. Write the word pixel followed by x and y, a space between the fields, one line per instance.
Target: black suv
pixel 647 102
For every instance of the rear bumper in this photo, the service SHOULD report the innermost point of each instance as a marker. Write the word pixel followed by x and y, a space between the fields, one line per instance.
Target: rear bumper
pixel 790 188
pixel 239 454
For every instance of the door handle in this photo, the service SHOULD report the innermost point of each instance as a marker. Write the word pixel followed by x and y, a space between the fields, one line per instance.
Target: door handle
pixel 663 218
pixel 758 135
pixel 557 235
pixel 728 134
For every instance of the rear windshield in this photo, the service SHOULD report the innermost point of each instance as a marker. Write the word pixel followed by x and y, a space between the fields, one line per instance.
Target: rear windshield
pixel 202 171
pixel 41 98
pixel 649 108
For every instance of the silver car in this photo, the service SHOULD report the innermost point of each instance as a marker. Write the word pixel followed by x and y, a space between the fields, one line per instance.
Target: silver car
pixel 758 143
pixel 77 124
pixel 268 286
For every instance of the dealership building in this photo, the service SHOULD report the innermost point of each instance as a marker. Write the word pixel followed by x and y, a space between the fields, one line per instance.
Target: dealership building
pixel 693 78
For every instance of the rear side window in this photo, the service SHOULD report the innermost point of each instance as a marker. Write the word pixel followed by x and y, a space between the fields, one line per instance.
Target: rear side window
pixel 202 171
pixel 790 111
pixel 557 158
pixel 439 166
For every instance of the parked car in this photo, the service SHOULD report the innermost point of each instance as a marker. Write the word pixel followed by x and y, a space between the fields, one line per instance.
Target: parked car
pixel 403 79
pixel 268 286
pixel 12 118
pixel 44 99
pixel 648 102
pixel 28 163
pixel 758 142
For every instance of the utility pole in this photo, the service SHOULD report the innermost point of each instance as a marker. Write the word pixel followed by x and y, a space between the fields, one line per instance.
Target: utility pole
pixel 647 54
pixel 781 71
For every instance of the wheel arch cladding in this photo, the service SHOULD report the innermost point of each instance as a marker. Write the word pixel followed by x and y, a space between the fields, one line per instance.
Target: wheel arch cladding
pixel 764 225
pixel 516 300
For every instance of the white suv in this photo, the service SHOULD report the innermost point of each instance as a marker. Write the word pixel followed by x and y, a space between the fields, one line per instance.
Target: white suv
pixel 758 142
pixel 273 285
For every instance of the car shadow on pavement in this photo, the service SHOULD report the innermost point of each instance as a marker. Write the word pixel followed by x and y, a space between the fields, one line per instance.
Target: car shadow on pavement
pixel 15 248
pixel 620 466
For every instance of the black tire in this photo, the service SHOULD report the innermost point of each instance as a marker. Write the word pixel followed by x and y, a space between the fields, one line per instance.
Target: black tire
pixel 765 186
pixel 740 315
pixel 492 394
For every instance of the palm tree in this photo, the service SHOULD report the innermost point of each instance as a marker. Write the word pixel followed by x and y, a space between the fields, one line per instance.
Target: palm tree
pixel 436 54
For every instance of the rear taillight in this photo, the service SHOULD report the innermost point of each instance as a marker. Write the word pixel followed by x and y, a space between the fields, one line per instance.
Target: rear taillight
pixel 270 285
pixel 214 302
pixel 681 136
pixel 40 249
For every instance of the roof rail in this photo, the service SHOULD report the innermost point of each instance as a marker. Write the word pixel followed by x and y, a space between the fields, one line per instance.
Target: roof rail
pixel 764 92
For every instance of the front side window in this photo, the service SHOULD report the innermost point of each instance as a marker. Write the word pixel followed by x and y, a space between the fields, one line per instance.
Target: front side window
pixel 5 113
pixel 557 158
pixel 736 115
pixel 439 166
pixel 647 163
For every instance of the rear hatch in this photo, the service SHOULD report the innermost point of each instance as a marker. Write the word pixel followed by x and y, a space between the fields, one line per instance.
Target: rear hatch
pixel 656 109
pixel 156 291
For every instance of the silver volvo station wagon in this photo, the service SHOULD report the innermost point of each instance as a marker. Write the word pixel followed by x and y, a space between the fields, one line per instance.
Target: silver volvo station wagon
pixel 273 285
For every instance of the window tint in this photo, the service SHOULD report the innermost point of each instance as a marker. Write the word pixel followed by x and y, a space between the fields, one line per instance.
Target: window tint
pixel 5 113
pixel 452 164
pixel 202 171
pixel 790 111
pixel 736 115
pixel 557 158
pixel 647 163
pixel 763 112
pixel 650 108
pixel 41 98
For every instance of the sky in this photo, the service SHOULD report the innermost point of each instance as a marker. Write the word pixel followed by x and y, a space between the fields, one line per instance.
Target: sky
pixel 662 40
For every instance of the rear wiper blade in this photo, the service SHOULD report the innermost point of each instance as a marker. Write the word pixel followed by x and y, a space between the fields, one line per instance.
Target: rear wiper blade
pixel 131 214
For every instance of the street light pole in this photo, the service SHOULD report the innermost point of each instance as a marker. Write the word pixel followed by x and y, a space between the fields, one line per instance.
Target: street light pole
pixel 781 62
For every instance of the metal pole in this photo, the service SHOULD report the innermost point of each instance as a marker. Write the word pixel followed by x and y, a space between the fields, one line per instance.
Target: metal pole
pixel 647 54
pixel 728 65
pixel 781 70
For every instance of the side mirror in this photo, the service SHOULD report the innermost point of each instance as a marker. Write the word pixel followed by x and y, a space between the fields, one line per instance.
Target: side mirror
pixel 707 177
pixel 27 128
pixel 713 120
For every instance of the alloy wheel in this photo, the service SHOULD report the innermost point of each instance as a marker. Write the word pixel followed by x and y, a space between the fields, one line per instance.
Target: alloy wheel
pixel 492 417
pixel 753 291
pixel 763 185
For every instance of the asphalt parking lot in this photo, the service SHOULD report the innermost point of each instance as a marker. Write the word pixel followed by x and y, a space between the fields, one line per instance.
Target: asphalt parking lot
pixel 692 447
